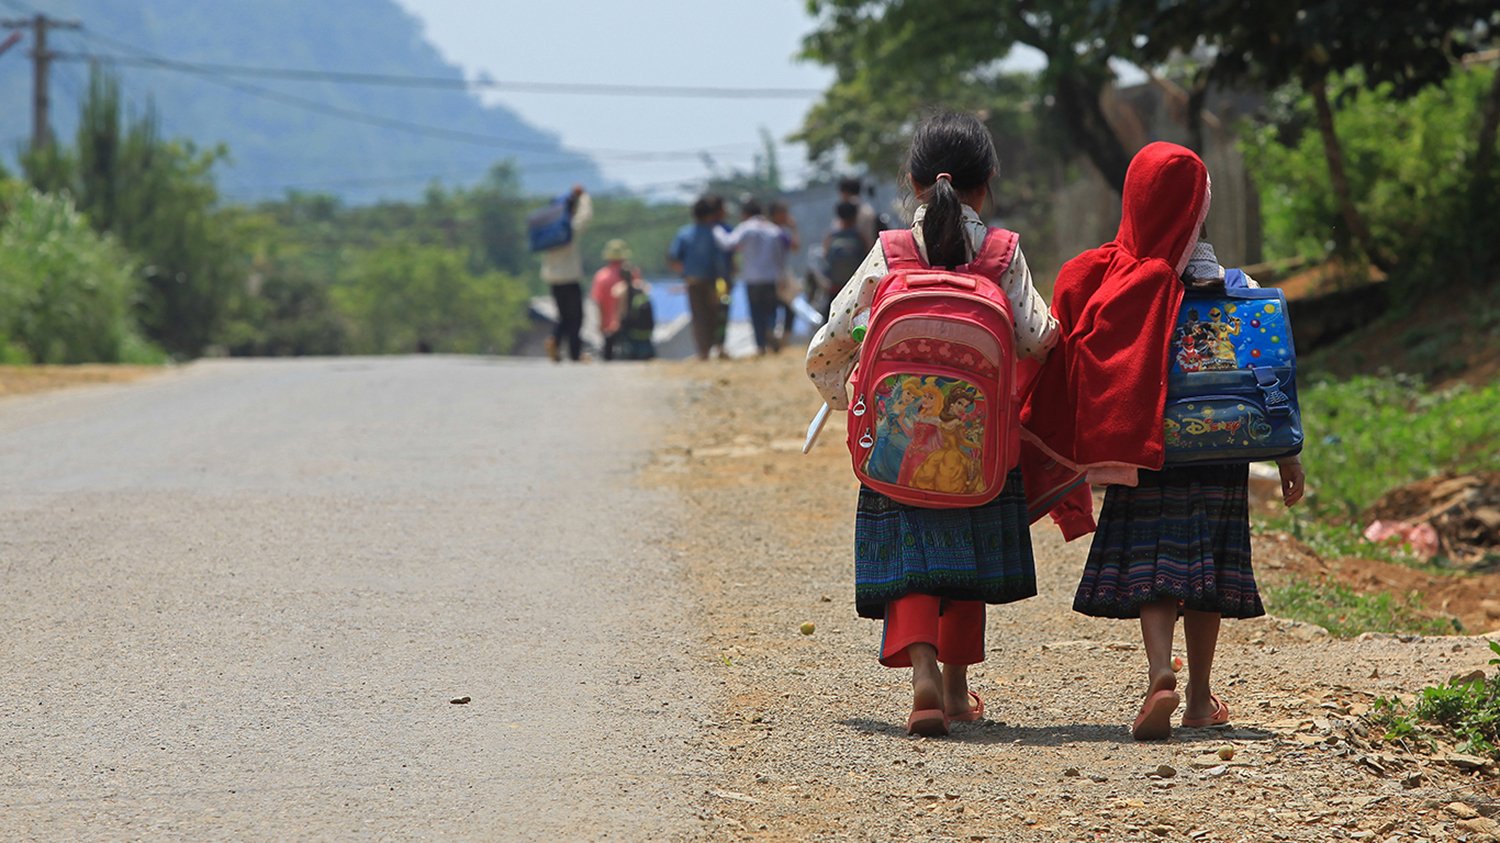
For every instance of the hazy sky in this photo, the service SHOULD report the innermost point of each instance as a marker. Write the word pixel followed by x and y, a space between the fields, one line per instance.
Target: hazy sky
pixel 645 42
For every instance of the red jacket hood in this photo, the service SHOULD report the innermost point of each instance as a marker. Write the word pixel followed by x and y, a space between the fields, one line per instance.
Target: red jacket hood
pixel 1166 199
pixel 1098 400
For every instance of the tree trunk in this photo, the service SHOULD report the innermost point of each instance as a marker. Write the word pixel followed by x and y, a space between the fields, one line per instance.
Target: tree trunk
pixel 1334 152
pixel 1078 104
pixel 1193 116
pixel 1484 159
pixel 1483 250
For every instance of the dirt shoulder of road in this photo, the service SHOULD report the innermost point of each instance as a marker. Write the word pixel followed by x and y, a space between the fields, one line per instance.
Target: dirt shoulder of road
pixel 26 380
pixel 808 739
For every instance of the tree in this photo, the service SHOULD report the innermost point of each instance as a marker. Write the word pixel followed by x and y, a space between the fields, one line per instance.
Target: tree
pixel 1399 46
pixel 1409 174
pixel 499 211
pixel 158 198
pixel 894 56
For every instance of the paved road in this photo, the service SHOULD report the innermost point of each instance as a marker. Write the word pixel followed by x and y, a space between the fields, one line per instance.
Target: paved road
pixel 236 600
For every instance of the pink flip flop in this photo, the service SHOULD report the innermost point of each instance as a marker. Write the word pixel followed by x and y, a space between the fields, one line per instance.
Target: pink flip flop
pixel 927 722
pixel 976 712
pixel 1220 717
pixel 1154 723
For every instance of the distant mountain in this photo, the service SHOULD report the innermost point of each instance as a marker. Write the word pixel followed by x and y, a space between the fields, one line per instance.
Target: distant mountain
pixel 328 143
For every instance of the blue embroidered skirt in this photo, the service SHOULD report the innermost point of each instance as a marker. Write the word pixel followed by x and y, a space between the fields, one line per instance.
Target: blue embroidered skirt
pixel 1182 534
pixel 979 553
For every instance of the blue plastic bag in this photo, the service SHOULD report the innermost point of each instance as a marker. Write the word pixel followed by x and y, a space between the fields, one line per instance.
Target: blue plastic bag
pixel 551 226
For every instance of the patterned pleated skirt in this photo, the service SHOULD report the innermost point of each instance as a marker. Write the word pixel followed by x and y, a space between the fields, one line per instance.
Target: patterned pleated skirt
pixel 979 553
pixel 1182 534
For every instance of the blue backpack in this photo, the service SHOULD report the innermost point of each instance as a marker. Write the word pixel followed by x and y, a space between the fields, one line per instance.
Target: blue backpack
pixel 1232 378
pixel 550 227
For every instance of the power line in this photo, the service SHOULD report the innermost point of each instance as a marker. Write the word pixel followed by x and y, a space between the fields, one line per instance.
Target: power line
pixel 219 75
pixel 245 191
pixel 602 89
pixel 207 74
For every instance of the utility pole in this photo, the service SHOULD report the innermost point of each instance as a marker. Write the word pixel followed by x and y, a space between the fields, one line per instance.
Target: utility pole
pixel 41 60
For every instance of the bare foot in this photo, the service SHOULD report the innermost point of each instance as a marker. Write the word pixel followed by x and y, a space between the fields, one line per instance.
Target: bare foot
pixel 1201 707
pixel 956 699
pixel 926 693
pixel 1164 681
pixel 1154 722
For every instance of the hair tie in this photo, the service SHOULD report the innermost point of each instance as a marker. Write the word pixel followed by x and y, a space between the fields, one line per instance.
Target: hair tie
pixel 941 176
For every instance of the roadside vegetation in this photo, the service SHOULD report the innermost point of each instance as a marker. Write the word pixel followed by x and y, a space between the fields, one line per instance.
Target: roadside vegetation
pixel 1368 435
pixel 116 246
pixel 1346 613
pixel 1464 712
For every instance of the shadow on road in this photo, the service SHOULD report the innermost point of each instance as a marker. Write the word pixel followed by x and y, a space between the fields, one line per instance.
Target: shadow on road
pixel 992 732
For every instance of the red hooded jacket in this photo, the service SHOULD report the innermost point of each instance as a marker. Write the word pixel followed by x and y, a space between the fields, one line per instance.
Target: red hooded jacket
pixel 1097 402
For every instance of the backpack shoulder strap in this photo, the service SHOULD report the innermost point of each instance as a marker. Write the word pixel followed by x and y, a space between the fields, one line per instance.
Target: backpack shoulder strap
pixel 1234 279
pixel 900 247
pixel 994 254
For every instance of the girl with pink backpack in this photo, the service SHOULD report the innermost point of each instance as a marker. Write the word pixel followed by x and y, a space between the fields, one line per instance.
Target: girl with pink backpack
pixel 937 430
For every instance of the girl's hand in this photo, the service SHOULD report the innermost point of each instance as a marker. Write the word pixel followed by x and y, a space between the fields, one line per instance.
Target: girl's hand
pixel 1292 480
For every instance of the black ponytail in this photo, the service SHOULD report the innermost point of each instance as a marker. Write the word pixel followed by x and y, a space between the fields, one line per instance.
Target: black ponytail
pixel 952 155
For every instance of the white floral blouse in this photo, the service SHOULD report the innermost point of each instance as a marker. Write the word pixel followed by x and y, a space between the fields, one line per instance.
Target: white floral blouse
pixel 830 357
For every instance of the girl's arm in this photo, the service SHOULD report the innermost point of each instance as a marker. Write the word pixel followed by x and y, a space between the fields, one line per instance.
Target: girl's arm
pixel 830 356
pixel 1036 329
pixel 1293 480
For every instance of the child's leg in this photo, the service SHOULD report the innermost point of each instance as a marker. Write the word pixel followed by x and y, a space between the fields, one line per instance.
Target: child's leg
pixel 1154 722
pixel 1158 621
pixel 1202 632
pixel 911 640
pixel 960 644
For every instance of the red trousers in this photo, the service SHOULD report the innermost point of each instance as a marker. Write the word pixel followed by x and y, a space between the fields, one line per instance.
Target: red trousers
pixel 954 627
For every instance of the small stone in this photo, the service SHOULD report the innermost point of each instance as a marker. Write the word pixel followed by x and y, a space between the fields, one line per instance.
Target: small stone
pixel 1412 781
pixel 1098 777
pixel 1465 762
pixel 1461 810
pixel 1166 771
pixel 1071 772
pixel 1308 631
pixel 464 700
pixel 1491 608
pixel 1480 825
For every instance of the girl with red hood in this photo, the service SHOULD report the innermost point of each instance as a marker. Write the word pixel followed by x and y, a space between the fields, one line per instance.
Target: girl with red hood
pixel 1172 539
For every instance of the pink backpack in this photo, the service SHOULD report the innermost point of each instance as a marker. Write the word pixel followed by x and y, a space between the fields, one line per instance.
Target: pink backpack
pixel 933 418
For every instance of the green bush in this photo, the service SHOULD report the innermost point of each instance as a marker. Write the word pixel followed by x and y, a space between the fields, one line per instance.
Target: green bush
pixel 66 293
pixel 401 299
pixel 1468 709
pixel 1410 167
pixel 285 315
